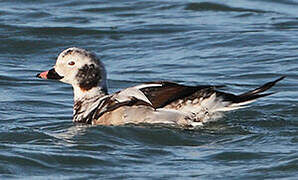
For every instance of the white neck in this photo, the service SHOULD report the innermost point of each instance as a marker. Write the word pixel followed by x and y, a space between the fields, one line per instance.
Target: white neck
pixel 80 94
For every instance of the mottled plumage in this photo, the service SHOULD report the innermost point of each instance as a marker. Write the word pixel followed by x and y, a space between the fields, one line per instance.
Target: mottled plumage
pixel 152 102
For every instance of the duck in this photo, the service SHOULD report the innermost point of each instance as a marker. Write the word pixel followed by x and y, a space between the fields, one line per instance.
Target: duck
pixel 157 102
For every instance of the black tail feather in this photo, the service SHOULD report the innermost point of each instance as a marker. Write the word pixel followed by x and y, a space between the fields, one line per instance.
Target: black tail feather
pixel 251 95
pixel 261 89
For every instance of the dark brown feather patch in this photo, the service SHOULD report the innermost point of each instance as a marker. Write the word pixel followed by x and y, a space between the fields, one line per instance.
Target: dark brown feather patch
pixel 88 76
pixel 169 92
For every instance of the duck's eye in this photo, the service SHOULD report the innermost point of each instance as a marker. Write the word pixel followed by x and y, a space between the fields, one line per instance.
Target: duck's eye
pixel 71 63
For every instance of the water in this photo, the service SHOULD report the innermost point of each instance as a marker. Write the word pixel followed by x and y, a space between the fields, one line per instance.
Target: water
pixel 241 44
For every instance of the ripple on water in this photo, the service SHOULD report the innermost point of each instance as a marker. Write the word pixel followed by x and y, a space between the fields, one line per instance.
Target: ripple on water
pixel 231 156
pixel 208 6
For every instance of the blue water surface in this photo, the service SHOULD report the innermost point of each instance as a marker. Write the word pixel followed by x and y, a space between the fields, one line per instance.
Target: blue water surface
pixel 241 44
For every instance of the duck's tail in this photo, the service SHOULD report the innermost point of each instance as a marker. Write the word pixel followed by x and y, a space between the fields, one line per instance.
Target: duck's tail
pixel 238 101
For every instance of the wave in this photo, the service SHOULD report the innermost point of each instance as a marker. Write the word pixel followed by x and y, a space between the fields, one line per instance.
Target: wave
pixel 207 6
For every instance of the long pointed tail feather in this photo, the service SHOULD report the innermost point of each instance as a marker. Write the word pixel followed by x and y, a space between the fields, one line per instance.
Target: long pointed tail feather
pixel 238 101
pixel 263 88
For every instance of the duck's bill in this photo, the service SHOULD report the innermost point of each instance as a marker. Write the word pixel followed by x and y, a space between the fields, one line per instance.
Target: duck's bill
pixel 51 74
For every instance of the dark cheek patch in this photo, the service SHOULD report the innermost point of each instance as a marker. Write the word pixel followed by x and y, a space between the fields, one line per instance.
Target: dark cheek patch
pixel 88 77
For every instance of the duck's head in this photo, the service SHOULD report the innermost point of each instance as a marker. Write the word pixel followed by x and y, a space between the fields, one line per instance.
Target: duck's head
pixel 78 67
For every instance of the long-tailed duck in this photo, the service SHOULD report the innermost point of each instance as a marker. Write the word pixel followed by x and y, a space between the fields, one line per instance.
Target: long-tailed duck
pixel 152 102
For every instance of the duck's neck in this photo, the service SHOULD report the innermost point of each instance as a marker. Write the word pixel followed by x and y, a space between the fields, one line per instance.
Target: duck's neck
pixel 85 101
pixel 81 94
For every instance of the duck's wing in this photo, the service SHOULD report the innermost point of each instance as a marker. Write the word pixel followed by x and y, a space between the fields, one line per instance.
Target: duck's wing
pixel 87 110
pixel 163 93
pixel 126 97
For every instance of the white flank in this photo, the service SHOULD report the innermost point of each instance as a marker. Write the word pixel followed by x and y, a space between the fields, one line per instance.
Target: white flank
pixel 243 103
pixel 235 106
pixel 196 124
